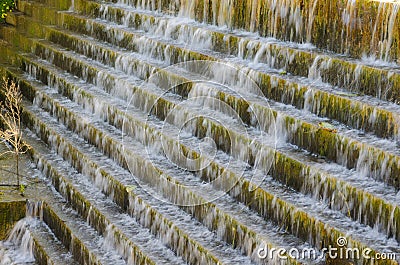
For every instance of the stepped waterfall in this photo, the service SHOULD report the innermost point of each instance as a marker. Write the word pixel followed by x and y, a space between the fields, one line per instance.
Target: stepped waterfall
pixel 207 131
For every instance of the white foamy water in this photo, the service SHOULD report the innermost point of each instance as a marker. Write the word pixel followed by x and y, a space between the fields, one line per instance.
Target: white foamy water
pixel 18 248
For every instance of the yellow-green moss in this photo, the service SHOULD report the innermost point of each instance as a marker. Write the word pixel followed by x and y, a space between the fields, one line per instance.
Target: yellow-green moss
pixel 10 213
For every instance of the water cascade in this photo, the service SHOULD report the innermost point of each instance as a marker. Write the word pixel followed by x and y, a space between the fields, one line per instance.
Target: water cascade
pixel 208 132
pixel 382 42
pixel 18 248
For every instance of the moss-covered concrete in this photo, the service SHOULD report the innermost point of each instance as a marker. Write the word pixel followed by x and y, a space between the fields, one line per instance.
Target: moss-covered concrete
pixel 12 202
pixel 342 26
pixel 284 169
pixel 11 210
pixel 352 27
pixel 293 173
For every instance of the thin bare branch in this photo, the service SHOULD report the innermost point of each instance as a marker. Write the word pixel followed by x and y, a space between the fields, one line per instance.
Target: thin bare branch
pixel 10 118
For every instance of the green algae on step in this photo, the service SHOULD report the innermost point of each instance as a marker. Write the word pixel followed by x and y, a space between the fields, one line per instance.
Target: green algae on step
pixel 80 159
pixel 113 117
pixel 10 212
pixel 365 79
pixel 136 205
pixel 91 210
pixel 113 155
pixel 59 4
pixel 353 30
pixel 364 113
pixel 366 117
pixel 46 249
pixel 74 238
pixel 306 135
pixel 138 162
pixel 283 163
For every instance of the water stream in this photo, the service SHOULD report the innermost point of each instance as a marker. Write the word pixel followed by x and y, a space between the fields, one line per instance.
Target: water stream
pixel 17 249
pixel 195 127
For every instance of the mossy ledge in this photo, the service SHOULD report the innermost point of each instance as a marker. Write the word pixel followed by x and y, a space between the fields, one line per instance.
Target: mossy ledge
pixel 11 211
pixel 284 171
pixel 331 145
pixel 277 209
pixel 346 27
pixel 76 89
pixel 363 116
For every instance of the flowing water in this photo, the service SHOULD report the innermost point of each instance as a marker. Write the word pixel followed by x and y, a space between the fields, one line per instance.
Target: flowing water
pixel 208 132
pixel 18 247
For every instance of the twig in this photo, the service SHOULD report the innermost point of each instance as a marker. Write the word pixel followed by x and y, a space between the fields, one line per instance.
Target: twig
pixel 10 117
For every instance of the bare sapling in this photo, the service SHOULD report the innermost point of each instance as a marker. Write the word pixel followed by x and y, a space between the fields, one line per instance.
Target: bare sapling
pixel 10 119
